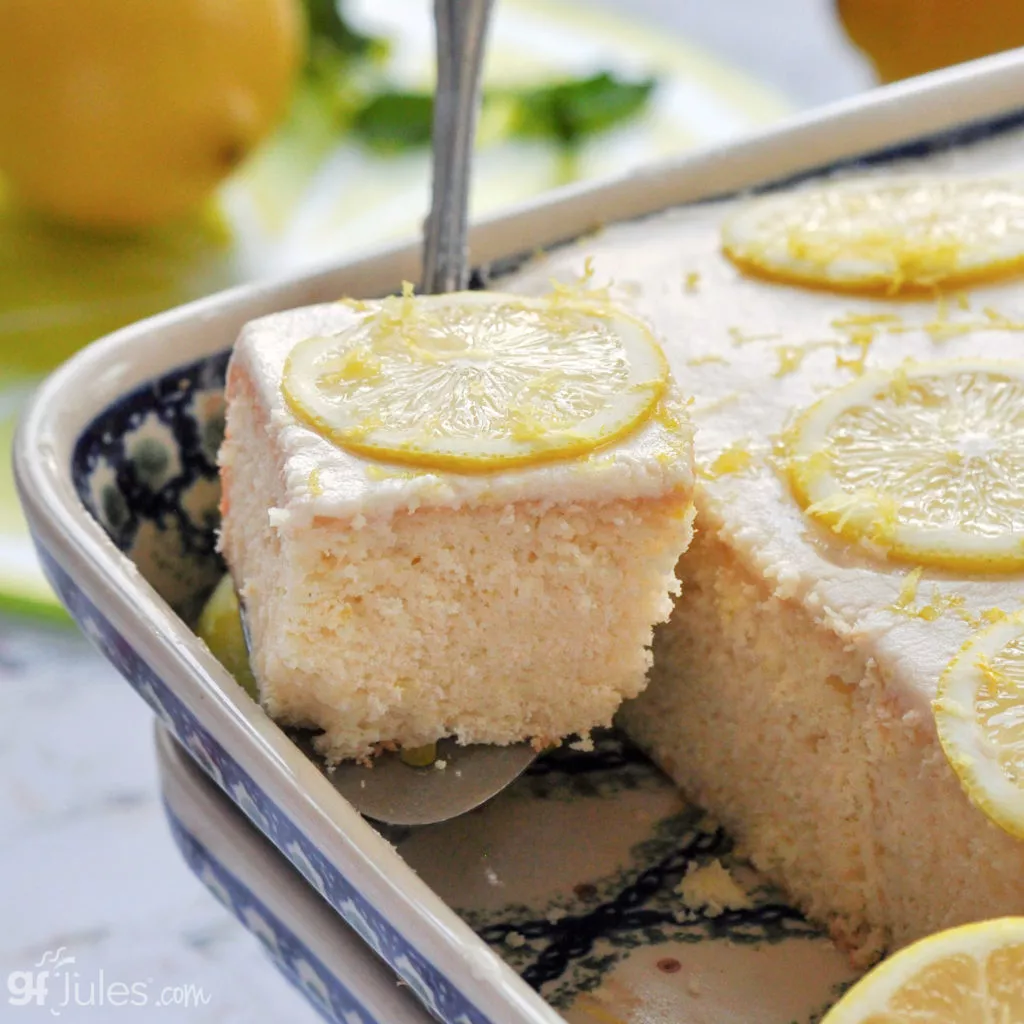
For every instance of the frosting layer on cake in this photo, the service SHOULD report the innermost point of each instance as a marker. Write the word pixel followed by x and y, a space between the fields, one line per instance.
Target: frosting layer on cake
pixel 324 479
pixel 758 353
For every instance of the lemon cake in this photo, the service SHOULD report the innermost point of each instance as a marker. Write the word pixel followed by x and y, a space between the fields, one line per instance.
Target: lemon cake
pixel 860 518
pixel 453 516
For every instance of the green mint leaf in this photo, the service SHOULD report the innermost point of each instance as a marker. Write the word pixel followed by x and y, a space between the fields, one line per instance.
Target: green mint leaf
pixel 393 122
pixel 327 26
pixel 573 110
pixel 565 112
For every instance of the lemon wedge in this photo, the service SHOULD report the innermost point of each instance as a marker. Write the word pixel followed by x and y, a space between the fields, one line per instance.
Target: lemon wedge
pixel 922 463
pixel 883 235
pixel 974 973
pixel 478 381
pixel 979 712
pixel 220 628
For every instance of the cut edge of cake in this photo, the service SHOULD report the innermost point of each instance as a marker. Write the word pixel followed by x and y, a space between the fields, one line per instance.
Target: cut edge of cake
pixel 849 803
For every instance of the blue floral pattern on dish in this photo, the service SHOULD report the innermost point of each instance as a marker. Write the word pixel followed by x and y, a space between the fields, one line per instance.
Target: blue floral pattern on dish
pixel 440 996
pixel 324 990
pixel 147 471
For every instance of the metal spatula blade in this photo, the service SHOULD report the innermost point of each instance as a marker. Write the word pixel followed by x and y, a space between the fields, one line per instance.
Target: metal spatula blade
pixel 397 794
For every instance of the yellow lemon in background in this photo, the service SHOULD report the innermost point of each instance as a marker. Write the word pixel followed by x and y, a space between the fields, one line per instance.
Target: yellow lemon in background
pixel 909 37
pixel 125 113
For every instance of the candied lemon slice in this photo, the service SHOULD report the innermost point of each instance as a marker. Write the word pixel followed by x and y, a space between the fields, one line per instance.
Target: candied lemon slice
pixel 979 712
pixel 478 381
pixel 968 975
pixel 922 463
pixel 883 234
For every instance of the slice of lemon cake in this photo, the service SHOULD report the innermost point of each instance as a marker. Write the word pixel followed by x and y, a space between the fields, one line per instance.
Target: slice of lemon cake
pixel 454 515
pixel 860 503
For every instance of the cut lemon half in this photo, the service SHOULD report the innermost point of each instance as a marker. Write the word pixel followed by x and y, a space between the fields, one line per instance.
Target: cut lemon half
pixel 979 712
pixel 922 463
pixel 478 381
pixel 968 975
pixel 883 235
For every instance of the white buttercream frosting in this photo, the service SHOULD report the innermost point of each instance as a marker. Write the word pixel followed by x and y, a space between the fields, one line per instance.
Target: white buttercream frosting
pixel 754 353
pixel 323 479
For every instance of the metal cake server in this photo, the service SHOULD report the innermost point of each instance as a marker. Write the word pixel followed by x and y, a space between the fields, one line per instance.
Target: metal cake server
pixel 462 777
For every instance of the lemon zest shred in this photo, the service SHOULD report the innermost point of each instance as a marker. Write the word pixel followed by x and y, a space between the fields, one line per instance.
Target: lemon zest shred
pixel 901 384
pixel 739 337
pixel 790 358
pixel 861 340
pixel 1000 321
pixel 908 592
pixel 939 604
pixel 985 617
pixel 716 403
pixel 866 320
pixel 875 513
pixel 691 282
pixel 710 357
pixel 992 675
pixel 734 459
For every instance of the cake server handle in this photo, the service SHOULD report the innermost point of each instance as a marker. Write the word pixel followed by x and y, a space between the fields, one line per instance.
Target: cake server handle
pixel 461 30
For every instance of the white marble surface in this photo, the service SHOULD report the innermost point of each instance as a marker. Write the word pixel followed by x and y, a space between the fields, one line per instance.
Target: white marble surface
pixel 85 855
pixel 86 860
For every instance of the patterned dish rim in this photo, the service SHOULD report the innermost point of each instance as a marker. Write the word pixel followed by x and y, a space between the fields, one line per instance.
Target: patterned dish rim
pixel 451 970
pixel 312 948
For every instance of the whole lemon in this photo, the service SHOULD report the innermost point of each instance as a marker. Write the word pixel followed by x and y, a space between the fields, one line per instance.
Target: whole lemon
pixel 124 113
pixel 909 37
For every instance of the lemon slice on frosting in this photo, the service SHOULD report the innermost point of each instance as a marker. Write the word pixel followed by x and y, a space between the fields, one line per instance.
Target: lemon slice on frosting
pixel 971 973
pixel 979 713
pixel 478 381
pixel 884 234
pixel 924 463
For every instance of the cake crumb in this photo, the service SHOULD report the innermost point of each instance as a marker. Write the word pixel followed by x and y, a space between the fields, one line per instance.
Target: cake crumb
pixel 556 914
pixel 712 889
pixel 440 765
pixel 584 744
pixel 693 986
pixel 514 940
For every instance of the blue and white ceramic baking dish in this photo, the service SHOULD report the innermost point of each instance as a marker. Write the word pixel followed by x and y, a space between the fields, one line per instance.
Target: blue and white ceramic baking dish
pixel 307 942
pixel 115 465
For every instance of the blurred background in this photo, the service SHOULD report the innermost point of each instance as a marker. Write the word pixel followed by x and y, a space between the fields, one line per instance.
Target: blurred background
pixel 154 152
